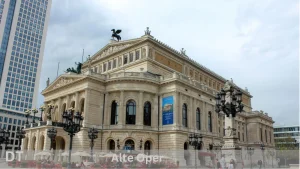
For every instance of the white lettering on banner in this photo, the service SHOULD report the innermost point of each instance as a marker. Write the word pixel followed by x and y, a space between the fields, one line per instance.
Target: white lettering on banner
pixel 139 158
pixel 12 155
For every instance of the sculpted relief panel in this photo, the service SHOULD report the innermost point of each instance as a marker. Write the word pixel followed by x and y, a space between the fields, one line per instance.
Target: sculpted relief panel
pixel 63 81
pixel 112 49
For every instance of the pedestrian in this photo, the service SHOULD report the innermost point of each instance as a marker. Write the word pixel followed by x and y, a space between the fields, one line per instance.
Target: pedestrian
pixel 222 162
pixel 231 164
pixel 218 164
pixel 259 163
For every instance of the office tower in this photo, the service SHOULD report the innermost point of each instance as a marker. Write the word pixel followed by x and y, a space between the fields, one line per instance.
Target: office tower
pixel 23 30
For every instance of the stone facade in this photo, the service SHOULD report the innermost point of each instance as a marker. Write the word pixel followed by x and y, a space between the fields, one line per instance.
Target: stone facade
pixel 139 71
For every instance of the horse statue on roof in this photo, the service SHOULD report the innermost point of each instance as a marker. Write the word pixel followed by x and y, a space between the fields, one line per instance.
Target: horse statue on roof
pixel 77 70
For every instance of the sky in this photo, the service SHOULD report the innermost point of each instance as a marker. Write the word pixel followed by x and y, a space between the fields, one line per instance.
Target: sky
pixel 254 42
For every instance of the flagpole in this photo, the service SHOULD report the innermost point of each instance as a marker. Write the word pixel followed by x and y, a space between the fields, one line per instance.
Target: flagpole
pixel 57 69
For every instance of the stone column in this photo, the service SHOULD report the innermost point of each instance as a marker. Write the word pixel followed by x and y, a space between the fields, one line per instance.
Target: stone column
pixel 205 118
pixel 107 110
pixel 191 113
pixel 154 111
pixel 76 102
pixel 140 111
pixel 180 110
pixel 122 113
pixel 59 111
pixel 175 108
pixel 68 102
pixel 86 107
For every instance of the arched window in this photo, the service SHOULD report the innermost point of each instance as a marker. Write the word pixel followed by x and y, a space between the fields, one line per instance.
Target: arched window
pixel 129 145
pixel 209 122
pixel 184 115
pixel 114 113
pixel 198 119
pixel 111 145
pixel 130 112
pixel 147 147
pixel 147 114
pixel 266 136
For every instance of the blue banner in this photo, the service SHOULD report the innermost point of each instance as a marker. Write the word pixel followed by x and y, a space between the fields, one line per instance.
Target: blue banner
pixel 167 110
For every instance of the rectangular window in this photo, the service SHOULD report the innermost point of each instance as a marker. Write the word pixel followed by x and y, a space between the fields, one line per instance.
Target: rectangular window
pixel 104 67
pixel 10 120
pixel 109 65
pixel 243 137
pixel 114 63
pixel 15 121
pixel 5 119
pixel 125 59
pixel 1 118
pixel 137 55
pixel 130 57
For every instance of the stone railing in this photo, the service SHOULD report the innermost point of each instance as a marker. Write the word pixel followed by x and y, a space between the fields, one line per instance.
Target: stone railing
pixel 142 75
pixel 43 123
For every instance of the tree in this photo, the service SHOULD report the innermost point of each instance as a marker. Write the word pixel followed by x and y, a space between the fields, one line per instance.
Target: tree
pixel 287 149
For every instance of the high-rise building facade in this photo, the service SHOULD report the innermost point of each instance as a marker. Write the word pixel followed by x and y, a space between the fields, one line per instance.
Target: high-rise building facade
pixel 23 28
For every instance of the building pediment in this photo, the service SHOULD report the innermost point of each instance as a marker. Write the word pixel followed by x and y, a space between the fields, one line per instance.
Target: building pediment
pixel 63 80
pixel 114 47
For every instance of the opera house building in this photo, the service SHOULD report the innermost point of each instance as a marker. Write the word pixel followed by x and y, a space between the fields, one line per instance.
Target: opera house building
pixel 143 93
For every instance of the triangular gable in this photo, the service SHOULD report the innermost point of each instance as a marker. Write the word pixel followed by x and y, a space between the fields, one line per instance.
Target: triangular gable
pixel 63 80
pixel 114 47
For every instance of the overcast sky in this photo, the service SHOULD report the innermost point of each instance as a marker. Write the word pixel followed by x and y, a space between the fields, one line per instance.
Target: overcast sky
pixel 253 42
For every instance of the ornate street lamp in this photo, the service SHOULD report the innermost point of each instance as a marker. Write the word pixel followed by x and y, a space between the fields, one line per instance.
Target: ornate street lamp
pixel 250 151
pixel 42 109
pixel 234 107
pixel 20 135
pixel 262 147
pixel 27 113
pixel 141 144
pixel 195 140
pixel 71 124
pixel 93 134
pixel 272 154
pixel 118 144
pixel 51 133
pixel 34 111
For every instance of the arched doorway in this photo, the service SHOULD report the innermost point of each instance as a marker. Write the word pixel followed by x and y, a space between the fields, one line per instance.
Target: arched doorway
pixel 111 145
pixel 25 142
pixel 59 143
pixel 41 143
pixel 129 144
pixel 64 106
pixel 186 153
pixel 81 105
pixel 33 143
pixel 147 147
pixel 72 104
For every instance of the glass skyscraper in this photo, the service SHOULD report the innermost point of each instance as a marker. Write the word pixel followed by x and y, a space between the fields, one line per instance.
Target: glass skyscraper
pixel 23 29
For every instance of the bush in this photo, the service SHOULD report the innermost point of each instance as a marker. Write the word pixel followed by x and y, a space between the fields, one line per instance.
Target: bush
pixel 64 164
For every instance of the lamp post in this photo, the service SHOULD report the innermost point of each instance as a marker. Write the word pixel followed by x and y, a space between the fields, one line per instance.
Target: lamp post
pixel 262 147
pixel 34 111
pixel 118 144
pixel 93 134
pixel 250 151
pixel 20 135
pixel 51 133
pixel 71 125
pixel 234 106
pixel 27 113
pixel 272 154
pixel 195 140
pixel 141 144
